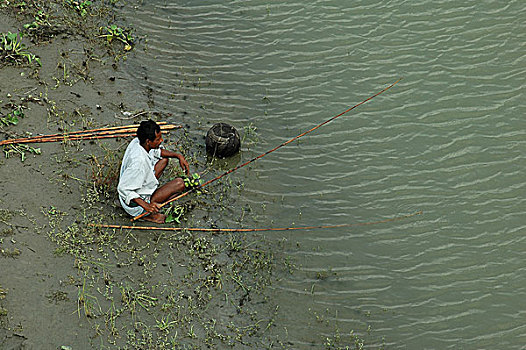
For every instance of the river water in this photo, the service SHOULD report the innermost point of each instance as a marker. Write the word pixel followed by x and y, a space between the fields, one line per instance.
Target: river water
pixel 449 139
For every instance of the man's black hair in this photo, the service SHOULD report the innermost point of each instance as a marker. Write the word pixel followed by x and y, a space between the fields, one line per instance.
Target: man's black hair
pixel 147 131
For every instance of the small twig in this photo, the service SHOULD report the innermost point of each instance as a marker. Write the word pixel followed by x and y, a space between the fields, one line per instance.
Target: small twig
pixel 131 116
pixel 240 284
pixel 33 89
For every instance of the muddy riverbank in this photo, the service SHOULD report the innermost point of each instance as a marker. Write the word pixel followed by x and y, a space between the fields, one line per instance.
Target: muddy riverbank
pixel 65 284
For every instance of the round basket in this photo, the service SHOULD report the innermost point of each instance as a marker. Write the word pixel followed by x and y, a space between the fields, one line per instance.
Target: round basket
pixel 222 140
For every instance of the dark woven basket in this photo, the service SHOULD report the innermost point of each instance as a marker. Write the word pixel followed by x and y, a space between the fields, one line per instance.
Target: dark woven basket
pixel 222 140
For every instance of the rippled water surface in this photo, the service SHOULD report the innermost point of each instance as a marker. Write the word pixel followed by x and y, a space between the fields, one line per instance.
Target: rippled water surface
pixel 449 139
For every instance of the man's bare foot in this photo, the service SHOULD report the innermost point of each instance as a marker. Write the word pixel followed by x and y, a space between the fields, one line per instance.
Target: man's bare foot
pixel 157 218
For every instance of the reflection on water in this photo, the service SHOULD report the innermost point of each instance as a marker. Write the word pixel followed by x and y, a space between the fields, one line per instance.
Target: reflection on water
pixel 223 164
pixel 448 140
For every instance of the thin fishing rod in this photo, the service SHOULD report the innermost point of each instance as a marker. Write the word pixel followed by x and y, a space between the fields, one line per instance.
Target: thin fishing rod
pixel 163 228
pixel 272 150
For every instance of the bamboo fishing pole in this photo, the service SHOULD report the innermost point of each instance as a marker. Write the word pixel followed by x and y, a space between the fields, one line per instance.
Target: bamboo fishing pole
pixel 124 131
pixel 272 150
pixel 74 133
pixel 161 228
pixel 102 135
pixel 72 138
pixel 90 137
pixel 76 137
pixel 100 131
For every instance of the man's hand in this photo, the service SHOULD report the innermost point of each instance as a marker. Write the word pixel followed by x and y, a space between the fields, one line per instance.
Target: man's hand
pixel 151 208
pixel 184 164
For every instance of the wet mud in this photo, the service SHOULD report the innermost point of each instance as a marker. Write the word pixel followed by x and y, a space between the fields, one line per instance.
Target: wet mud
pixel 67 285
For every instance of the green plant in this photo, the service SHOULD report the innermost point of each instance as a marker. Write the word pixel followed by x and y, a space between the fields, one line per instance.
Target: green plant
pixel 40 19
pixel 250 134
pixel 86 301
pixel 174 213
pixel 191 182
pixel 80 6
pixel 20 150
pixel 12 49
pixel 104 172
pixel 10 253
pixel 22 6
pixel 164 324
pixel 117 33
pixel 12 118
pixel 130 299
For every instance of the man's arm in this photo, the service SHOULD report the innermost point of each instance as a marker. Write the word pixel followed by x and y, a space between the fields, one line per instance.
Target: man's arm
pixel 182 162
pixel 149 207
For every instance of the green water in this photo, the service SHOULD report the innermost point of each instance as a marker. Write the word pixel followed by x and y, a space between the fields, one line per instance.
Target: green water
pixel 449 139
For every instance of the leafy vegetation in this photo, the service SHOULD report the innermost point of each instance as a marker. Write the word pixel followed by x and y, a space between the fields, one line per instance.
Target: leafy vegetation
pixel 12 118
pixel 191 182
pixel 12 50
pixel 82 7
pixel 104 172
pixel 20 150
pixel 114 32
pixel 174 213
pixel 40 19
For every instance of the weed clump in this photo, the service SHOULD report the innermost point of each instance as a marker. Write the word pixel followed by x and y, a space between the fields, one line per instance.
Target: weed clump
pixel 104 173
pixel 114 32
pixel 5 216
pixel 13 51
pixel 13 117
pixel 6 232
pixel 81 7
pixel 10 253
pixel 20 150
pixel 40 20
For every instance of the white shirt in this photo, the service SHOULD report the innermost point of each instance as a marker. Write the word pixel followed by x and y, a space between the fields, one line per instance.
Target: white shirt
pixel 137 175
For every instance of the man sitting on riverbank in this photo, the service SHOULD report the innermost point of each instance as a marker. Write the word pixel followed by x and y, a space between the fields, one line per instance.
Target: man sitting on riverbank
pixel 142 165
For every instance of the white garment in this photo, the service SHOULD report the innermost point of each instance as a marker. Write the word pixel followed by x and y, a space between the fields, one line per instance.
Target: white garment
pixel 137 175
